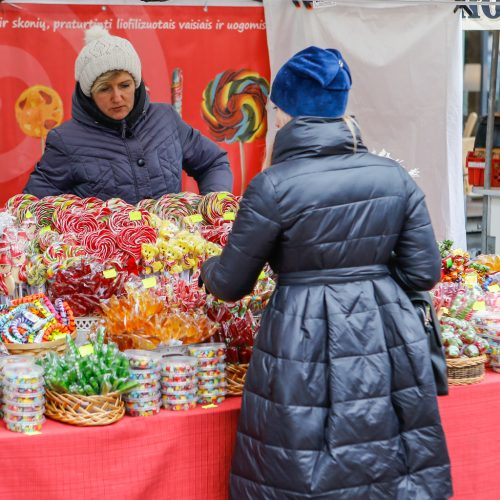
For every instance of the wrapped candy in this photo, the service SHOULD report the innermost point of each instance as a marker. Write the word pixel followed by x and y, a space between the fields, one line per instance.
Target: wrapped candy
pixel 85 284
pixel 143 321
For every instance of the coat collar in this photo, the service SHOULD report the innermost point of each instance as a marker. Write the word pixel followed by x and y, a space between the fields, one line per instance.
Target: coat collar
pixel 310 136
pixel 85 111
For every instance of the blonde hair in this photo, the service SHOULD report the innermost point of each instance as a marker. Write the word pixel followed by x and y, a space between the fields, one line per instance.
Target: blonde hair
pixel 353 127
pixel 351 123
pixel 104 79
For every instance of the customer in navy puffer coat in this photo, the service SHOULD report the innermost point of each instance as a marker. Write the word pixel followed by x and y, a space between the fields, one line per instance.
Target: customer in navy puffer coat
pixel 340 399
pixel 118 144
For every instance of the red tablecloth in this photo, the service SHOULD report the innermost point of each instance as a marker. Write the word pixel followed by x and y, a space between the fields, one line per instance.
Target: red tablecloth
pixel 186 455
pixel 173 455
pixel 471 420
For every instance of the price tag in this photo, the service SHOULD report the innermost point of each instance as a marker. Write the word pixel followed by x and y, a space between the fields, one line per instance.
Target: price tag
pixel 229 216
pixel 470 279
pixel 494 288
pixel 479 306
pixel 86 350
pixel 149 282
pixel 206 407
pixel 45 229
pixel 195 218
pixel 110 273
pixel 59 336
pixel 222 196
pixel 444 310
pixel 135 215
pixel 29 215
pixel 262 275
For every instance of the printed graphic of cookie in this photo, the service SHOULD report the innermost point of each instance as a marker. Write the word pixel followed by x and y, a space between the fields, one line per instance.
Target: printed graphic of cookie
pixel 38 110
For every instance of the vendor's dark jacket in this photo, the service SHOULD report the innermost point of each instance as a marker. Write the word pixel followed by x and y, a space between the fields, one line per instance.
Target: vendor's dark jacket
pixel 134 159
pixel 340 399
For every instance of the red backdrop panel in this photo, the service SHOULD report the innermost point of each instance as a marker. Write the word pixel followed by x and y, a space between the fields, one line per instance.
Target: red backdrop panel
pixel 39 44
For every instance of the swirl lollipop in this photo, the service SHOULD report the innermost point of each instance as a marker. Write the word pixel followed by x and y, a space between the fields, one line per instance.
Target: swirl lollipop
pixel 234 107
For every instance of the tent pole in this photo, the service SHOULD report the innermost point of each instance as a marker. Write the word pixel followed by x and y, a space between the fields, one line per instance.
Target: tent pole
pixel 489 142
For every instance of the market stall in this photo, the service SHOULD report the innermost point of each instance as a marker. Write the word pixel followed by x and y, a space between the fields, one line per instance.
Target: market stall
pixel 119 372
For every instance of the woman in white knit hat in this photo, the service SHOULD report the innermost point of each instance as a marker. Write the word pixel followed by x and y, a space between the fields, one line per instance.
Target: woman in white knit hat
pixel 117 143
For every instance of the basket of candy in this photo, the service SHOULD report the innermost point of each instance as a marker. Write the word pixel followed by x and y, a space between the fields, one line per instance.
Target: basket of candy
pixel 465 371
pixel 84 386
pixel 34 325
pixel 77 409
pixel 235 378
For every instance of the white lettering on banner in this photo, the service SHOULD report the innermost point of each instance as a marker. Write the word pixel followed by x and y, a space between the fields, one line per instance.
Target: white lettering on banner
pixel 241 27
pixel 140 24
pixel 21 23
pixel 80 25
pixel 132 24
pixel 196 25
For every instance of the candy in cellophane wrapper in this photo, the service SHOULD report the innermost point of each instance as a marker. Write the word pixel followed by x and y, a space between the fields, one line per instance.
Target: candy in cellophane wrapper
pixel 458 305
pixel 237 328
pixel 13 242
pixel 457 300
pixel 143 320
pixel 85 284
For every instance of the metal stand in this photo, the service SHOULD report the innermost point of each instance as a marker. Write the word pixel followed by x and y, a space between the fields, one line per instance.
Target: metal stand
pixel 490 126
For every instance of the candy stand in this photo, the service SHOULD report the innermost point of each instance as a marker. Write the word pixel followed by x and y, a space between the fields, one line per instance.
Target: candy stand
pixel 120 376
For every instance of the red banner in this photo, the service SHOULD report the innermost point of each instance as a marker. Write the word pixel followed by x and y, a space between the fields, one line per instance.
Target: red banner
pixel 188 55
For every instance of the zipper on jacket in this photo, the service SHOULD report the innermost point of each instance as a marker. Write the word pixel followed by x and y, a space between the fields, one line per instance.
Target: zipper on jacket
pixel 124 128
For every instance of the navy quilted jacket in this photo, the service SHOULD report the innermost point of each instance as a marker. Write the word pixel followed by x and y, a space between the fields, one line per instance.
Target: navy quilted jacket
pixel 340 399
pixel 145 161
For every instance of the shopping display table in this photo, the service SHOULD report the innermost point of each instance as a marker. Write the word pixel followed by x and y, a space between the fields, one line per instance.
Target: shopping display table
pixel 173 455
pixel 187 455
pixel 471 420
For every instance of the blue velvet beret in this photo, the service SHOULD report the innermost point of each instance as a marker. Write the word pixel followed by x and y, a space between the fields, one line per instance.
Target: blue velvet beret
pixel 314 82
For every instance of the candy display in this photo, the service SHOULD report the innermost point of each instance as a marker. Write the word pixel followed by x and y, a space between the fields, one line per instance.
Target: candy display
pixel 210 370
pixel 104 371
pixel 5 362
pixel 18 379
pixel 34 319
pixel 178 383
pixel 142 320
pixel 456 266
pixel 145 399
pixel 85 284
pixel 143 360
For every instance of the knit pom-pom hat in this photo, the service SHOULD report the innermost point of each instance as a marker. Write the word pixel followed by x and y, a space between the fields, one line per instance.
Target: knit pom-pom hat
pixel 104 52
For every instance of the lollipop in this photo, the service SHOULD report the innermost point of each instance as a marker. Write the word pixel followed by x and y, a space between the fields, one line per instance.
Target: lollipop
pixel 234 107
pixel 214 206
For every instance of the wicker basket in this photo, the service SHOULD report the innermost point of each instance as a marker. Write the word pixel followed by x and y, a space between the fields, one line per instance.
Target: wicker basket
pixel 85 325
pixel 465 371
pixel 40 348
pixel 235 378
pixel 76 409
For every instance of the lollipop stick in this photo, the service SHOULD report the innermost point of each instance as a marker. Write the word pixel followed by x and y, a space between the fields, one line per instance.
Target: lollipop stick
pixel 242 166
pixel 42 140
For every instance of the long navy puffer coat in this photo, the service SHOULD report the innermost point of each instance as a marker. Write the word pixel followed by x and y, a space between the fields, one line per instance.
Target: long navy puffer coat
pixel 340 400
pixel 144 158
